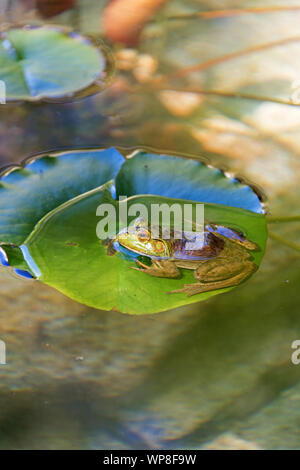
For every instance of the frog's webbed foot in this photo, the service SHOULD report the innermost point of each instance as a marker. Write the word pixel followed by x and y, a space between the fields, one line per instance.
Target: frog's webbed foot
pixel 199 287
pixel 158 268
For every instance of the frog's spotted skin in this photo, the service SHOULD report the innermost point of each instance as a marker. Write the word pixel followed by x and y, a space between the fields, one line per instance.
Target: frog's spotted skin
pixel 221 260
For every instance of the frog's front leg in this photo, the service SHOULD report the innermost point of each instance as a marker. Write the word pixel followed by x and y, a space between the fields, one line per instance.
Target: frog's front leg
pixel 159 268
pixel 212 276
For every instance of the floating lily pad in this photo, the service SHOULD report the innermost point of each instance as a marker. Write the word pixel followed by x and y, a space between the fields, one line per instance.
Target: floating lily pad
pixel 73 260
pixel 29 192
pixel 184 178
pixel 59 244
pixel 47 62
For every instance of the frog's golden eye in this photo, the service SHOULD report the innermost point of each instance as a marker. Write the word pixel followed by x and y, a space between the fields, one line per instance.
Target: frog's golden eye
pixel 143 235
pixel 159 246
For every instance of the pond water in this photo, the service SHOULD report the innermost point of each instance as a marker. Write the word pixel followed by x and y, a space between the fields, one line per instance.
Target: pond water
pixel 215 374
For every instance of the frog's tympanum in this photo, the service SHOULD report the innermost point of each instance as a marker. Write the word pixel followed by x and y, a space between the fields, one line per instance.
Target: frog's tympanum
pixel 223 258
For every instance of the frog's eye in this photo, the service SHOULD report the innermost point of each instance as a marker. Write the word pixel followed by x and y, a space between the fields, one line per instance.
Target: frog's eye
pixel 159 246
pixel 143 235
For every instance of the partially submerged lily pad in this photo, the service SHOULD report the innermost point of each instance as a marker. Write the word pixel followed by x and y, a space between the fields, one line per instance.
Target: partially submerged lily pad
pixel 48 223
pixel 50 63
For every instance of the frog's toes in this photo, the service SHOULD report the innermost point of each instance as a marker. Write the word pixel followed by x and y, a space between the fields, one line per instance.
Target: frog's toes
pixel 144 268
pixel 190 289
pixel 110 251
pixel 143 265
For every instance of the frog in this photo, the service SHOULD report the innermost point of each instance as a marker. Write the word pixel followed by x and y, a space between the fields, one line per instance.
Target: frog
pixel 223 258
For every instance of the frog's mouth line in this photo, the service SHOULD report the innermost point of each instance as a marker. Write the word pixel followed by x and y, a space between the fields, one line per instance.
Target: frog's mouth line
pixel 129 254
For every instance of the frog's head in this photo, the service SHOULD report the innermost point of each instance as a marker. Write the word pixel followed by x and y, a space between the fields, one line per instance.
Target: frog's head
pixel 137 237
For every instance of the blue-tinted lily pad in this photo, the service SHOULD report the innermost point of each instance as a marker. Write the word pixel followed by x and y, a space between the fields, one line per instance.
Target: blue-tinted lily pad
pixel 49 219
pixel 28 193
pixel 184 178
pixel 48 62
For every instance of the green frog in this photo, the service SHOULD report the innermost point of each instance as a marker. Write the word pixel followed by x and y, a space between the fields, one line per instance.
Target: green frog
pixel 220 257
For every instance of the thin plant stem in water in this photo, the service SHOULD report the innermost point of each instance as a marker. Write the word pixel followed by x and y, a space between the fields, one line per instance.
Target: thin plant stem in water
pixel 208 15
pixel 160 85
pixel 233 55
pixel 282 219
pixel 282 240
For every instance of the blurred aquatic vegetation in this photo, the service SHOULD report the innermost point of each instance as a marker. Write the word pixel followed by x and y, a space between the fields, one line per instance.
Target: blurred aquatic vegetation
pixel 122 21
pixel 50 8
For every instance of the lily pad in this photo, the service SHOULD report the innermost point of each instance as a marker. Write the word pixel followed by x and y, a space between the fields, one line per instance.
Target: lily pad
pixel 29 192
pixel 149 173
pixel 73 260
pixel 48 62
pixel 60 246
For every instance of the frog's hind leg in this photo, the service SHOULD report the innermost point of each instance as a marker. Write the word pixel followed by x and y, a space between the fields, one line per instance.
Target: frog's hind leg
pixel 225 233
pixel 200 286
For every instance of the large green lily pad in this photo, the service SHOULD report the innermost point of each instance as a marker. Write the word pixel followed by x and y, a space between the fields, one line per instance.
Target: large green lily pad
pixel 60 246
pixel 73 260
pixel 48 62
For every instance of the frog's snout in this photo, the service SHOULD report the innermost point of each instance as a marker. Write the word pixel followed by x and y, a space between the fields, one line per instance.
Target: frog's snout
pixel 127 239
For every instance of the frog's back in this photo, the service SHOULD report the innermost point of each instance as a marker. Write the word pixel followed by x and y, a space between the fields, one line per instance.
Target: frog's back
pixel 200 247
